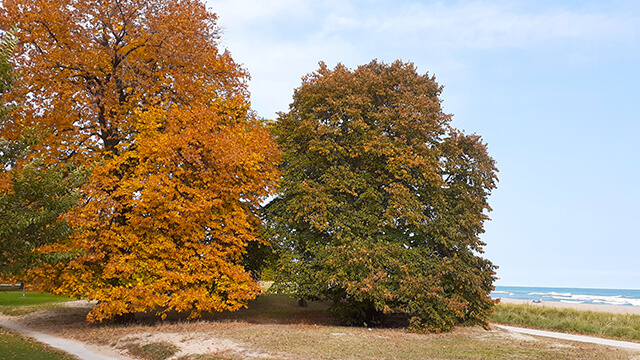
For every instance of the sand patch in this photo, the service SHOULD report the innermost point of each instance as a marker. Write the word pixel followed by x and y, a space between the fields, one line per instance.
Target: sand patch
pixel 509 335
pixel 192 344
pixel 84 304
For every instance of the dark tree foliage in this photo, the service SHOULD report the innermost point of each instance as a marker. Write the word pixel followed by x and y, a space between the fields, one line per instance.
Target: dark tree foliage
pixel 382 201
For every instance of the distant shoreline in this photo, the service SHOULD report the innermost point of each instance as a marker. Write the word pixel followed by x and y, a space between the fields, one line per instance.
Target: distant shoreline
pixel 615 309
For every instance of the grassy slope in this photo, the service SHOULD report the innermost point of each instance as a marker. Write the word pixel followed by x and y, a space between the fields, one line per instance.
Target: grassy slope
pixel 616 326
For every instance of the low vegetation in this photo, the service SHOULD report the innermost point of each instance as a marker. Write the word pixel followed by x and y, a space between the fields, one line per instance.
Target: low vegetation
pixel 615 326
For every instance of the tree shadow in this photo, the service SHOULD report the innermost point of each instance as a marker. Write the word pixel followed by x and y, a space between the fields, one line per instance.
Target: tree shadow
pixel 264 310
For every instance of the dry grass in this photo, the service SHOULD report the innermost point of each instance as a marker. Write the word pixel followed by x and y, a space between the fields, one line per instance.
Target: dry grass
pixel 274 327
pixel 154 350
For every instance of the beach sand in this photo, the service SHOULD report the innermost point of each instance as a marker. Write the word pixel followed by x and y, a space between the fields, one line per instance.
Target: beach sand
pixel 587 307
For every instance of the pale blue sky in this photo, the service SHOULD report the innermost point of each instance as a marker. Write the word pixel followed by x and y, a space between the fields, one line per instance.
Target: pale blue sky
pixel 552 86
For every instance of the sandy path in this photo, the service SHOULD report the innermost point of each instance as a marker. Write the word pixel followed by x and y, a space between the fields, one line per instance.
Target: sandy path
pixel 81 350
pixel 635 310
pixel 580 338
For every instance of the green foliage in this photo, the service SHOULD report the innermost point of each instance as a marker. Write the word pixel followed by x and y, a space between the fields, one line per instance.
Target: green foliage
pixel 259 259
pixel 31 212
pixel 9 151
pixel 382 201
pixel 7 76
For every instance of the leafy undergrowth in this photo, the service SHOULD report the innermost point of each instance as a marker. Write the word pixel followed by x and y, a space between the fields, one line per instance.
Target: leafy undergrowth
pixel 13 346
pixel 615 326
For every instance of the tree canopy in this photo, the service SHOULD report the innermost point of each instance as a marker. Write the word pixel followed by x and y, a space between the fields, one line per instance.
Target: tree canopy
pixel 139 92
pixel 382 200
pixel 33 195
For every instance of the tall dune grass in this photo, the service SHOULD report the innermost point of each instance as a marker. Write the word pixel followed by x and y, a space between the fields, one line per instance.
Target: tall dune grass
pixel 615 326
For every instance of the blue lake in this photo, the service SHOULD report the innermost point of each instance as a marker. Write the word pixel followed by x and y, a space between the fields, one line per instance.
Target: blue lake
pixel 620 297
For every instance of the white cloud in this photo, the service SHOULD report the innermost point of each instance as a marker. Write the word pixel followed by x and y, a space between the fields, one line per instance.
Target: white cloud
pixel 465 24
pixel 239 12
pixel 276 68
pixel 281 40
pixel 482 25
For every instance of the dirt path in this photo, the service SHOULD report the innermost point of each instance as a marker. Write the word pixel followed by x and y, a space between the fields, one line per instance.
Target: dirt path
pixel 80 350
pixel 580 338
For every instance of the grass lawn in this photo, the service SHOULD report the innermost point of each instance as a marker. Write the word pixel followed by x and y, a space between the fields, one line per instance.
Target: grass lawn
pixel 16 347
pixel 614 326
pixel 13 303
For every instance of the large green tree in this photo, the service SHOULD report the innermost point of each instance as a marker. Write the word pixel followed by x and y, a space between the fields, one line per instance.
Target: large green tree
pixel 382 200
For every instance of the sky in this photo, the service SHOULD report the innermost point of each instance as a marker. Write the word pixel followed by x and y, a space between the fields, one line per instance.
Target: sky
pixel 553 88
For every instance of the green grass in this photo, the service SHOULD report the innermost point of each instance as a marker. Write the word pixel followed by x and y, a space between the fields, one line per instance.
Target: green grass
pixel 16 347
pixel 13 303
pixel 615 326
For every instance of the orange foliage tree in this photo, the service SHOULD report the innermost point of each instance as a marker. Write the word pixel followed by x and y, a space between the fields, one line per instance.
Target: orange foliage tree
pixel 139 91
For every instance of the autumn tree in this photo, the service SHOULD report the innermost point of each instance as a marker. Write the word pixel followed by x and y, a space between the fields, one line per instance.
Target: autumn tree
pixel 140 92
pixel 33 195
pixel 382 201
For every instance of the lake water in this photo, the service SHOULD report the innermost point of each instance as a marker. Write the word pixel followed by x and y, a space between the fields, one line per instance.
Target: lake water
pixel 620 297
